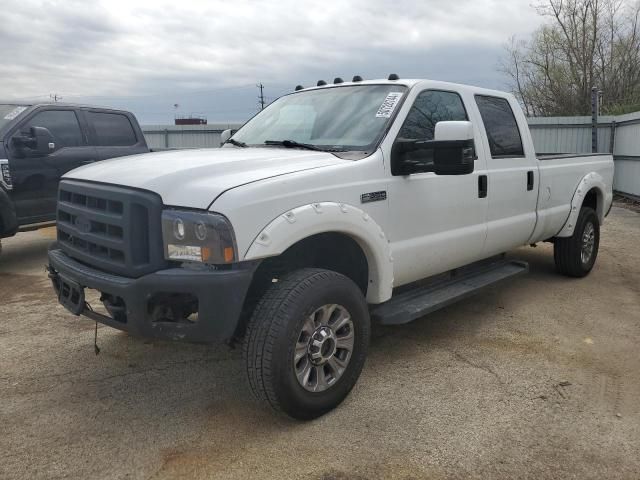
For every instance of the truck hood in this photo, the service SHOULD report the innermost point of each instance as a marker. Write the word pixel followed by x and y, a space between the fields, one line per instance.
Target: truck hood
pixel 195 178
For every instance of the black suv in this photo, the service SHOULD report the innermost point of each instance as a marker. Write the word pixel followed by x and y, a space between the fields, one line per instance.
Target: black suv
pixel 41 142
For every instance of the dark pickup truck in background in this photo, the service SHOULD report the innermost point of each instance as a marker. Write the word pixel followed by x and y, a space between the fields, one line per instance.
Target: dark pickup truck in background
pixel 41 142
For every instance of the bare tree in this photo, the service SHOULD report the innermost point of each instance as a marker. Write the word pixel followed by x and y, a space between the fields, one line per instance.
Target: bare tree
pixel 584 44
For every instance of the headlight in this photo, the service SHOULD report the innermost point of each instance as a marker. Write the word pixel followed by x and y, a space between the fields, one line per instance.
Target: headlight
pixel 197 237
pixel 5 174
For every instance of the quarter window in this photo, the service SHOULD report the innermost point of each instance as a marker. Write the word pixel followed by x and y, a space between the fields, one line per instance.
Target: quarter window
pixel 112 129
pixel 63 125
pixel 501 127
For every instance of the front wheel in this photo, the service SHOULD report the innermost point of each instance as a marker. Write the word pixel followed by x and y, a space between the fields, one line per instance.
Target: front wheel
pixel 307 342
pixel 575 255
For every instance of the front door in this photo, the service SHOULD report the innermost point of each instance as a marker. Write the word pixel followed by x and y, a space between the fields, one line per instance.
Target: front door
pixel 36 174
pixel 437 222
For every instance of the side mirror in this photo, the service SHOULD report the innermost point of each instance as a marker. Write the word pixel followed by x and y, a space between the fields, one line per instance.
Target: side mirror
pixel 451 152
pixel 39 140
pixel 45 143
pixel 455 152
pixel 224 136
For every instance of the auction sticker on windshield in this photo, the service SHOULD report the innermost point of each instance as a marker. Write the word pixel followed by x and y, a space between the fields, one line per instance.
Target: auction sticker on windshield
pixel 14 113
pixel 389 104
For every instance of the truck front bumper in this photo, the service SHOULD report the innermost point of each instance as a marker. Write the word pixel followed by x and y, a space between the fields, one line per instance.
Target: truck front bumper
pixel 149 306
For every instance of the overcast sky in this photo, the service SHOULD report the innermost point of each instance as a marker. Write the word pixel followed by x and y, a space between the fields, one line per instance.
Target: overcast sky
pixel 207 56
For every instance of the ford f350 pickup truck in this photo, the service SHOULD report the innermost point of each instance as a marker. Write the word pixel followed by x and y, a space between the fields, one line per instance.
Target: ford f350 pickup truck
pixel 335 206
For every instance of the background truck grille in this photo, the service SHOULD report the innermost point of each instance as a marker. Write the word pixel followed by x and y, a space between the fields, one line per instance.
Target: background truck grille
pixel 112 228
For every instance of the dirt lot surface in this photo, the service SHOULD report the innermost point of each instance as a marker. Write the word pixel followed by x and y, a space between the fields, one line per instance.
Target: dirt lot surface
pixel 539 378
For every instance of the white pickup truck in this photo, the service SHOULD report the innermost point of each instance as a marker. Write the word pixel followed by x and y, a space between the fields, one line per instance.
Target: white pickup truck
pixel 335 206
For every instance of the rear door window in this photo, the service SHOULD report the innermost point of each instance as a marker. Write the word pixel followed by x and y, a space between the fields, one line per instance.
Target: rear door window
pixel 63 125
pixel 112 129
pixel 501 127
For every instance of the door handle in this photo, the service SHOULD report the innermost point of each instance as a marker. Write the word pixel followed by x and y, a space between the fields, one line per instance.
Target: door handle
pixel 482 186
pixel 530 180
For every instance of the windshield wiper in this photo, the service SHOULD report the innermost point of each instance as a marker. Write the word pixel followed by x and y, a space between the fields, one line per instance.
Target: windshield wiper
pixel 236 143
pixel 294 144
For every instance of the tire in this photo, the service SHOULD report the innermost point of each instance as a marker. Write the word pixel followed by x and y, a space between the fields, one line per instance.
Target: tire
pixel 287 340
pixel 571 254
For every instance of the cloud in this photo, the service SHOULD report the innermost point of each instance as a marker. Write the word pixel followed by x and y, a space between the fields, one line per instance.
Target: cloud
pixel 124 51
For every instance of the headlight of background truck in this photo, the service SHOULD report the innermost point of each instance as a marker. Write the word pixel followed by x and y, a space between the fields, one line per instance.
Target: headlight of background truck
pixel 197 237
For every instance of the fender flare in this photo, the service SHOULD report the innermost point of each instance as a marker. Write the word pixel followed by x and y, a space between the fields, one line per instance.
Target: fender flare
pixel 589 181
pixel 308 220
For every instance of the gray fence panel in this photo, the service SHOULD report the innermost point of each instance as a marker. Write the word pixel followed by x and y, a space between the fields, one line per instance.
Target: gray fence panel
pixel 568 135
pixel 627 175
pixel 185 136
pixel 627 154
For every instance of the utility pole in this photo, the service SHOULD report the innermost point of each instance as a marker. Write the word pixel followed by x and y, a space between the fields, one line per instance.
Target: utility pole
pixel 595 112
pixel 261 96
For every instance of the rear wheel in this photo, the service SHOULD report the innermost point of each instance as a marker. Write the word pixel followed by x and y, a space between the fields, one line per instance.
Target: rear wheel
pixel 306 343
pixel 575 256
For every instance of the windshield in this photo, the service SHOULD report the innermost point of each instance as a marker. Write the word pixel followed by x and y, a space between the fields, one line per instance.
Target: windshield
pixel 336 119
pixel 10 112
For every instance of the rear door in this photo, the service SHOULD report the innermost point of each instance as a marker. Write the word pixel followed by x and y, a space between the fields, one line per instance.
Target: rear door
pixel 512 188
pixel 36 175
pixel 113 134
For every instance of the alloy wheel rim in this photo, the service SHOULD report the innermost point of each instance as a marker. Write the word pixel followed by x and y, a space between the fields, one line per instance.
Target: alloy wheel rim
pixel 588 243
pixel 324 348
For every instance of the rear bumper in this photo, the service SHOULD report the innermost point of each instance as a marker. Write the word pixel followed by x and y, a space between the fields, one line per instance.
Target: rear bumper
pixel 220 297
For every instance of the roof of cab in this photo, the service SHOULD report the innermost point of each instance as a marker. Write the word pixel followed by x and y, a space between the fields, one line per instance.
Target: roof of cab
pixel 411 82
pixel 19 103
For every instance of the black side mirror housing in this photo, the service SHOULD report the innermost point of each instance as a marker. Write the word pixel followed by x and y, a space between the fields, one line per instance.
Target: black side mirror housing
pixel 21 142
pixel 39 140
pixel 451 152
pixel 442 157
pixel 45 143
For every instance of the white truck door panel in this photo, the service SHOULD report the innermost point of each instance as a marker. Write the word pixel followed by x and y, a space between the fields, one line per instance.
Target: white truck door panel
pixel 436 222
pixel 513 175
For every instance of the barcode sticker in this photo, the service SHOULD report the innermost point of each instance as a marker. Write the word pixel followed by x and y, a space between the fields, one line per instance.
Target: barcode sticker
pixel 14 113
pixel 389 105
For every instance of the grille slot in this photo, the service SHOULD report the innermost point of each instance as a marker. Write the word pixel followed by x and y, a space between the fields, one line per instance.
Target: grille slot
pixel 113 228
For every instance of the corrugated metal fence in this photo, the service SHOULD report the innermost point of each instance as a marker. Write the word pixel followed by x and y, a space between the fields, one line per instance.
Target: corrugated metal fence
pixel 618 135
pixel 185 136
pixel 550 135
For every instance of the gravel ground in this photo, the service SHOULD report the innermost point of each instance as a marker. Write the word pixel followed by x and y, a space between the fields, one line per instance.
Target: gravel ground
pixel 538 378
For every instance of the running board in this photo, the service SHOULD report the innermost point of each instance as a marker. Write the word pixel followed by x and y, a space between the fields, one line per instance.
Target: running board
pixel 446 289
